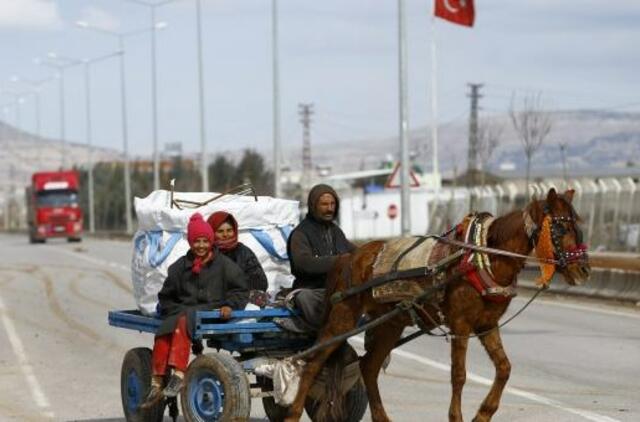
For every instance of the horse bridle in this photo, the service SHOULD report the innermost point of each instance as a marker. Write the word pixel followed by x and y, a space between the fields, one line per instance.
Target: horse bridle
pixel 563 257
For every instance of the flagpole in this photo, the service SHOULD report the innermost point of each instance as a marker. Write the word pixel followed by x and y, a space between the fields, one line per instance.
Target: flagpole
pixel 434 122
pixel 434 96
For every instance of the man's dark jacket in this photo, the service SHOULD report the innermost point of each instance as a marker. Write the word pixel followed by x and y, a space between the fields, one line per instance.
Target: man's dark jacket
pixel 314 244
pixel 220 283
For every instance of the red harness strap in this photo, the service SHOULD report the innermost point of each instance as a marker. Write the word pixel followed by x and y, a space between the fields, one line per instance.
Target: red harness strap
pixel 477 283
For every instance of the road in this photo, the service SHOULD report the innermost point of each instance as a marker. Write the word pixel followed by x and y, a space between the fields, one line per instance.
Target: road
pixel 572 360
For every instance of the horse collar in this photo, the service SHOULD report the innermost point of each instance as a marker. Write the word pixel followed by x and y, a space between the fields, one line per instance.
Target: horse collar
pixel 477 265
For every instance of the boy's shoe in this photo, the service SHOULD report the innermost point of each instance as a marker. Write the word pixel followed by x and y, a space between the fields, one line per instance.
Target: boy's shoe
pixel 197 347
pixel 154 396
pixel 174 386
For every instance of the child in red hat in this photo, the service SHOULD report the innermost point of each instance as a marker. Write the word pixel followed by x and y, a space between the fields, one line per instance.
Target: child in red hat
pixel 199 280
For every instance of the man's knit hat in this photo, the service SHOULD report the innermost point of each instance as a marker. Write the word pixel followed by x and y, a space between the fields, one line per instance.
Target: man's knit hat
pixel 198 228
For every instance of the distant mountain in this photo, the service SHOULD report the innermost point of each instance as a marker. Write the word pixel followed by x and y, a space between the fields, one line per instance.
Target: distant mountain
pixel 600 139
pixel 22 154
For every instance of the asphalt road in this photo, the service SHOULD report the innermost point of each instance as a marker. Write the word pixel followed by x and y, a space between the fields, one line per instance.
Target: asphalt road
pixel 59 360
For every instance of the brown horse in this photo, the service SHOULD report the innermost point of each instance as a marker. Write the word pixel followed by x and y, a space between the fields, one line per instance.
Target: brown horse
pixel 466 312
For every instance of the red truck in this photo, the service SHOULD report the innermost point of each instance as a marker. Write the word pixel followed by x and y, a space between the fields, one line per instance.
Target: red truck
pixel 52 206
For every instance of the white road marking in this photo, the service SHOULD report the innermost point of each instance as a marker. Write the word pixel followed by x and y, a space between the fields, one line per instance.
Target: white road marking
pixel 23 362
pixel 508 390
pixel 587 308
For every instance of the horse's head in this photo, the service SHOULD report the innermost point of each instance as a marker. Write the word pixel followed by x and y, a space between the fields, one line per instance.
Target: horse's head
pixel 569 251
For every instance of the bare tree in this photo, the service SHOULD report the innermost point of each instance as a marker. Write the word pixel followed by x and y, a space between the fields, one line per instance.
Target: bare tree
pixel 533 125
pixel 489 136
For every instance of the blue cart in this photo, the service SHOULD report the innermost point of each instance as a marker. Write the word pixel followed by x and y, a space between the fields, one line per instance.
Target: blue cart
pixel 219 386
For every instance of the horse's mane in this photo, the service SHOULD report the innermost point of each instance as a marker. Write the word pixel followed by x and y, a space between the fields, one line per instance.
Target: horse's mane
pixel 505 228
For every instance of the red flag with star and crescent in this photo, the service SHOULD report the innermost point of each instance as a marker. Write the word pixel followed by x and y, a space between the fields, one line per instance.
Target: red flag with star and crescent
pixel 456 11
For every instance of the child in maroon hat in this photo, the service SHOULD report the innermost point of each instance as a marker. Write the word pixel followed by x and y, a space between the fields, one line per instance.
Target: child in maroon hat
pixel 225 239
pixel 199 280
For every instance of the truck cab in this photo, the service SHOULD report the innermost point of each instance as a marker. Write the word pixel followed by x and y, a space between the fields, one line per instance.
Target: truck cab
pixel 52 206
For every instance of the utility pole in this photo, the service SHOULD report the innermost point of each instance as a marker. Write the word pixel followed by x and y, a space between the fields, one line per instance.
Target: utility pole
pixel 472 160
pixel 305 111
pixel 563 152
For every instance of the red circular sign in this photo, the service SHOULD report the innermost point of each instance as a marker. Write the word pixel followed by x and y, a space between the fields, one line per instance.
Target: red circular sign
pixel 392 211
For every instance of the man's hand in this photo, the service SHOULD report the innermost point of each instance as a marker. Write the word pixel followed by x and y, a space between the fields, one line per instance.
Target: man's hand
pixel 225 312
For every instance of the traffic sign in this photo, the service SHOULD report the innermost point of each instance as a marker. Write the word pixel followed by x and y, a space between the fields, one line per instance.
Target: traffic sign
pixel 394 179
pixel 392 211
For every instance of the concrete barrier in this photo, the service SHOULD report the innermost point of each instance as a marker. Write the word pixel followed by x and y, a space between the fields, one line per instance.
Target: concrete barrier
pixel 615 284
pixel 615 260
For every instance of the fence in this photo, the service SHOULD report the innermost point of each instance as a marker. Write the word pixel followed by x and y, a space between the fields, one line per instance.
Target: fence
pixel 609 207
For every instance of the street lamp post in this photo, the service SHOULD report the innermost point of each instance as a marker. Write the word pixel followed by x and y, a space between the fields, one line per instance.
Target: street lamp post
pixel 18 100
pixel 276 100
pixel 405 198
pixel 201 97
pixel 36 88
pixel 86 63
pixel 60 68
pixel 7 219
pixel 154 94
pixel 120 36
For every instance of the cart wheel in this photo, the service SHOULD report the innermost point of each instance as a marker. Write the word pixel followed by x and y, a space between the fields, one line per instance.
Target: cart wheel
pixel 135 380
pixel 216 389
pixel 274 411
pixel 355 402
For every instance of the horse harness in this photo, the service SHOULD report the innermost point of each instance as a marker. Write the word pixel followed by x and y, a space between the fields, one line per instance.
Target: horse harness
pixel 476 265
pixel 474 251
pixel 562 257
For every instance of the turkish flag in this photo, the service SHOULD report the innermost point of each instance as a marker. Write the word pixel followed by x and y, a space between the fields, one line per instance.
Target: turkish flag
pixel 456 11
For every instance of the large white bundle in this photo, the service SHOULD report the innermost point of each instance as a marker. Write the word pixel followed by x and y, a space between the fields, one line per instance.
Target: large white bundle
pixel 263 226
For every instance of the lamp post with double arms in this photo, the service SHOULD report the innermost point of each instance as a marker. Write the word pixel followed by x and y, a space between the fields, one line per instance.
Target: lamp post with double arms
pixel 154 92
pixel 86 64
pixel 120 37
pixel 36 89
pixel 60 68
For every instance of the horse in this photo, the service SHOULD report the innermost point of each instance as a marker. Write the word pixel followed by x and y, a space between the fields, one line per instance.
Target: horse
pixel 549 224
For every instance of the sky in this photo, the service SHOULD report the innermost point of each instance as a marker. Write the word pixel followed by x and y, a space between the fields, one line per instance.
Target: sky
pixel 342 56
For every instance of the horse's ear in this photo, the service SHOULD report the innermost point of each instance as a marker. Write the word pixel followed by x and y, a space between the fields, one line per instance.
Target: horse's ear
pixel 552 196
pixel 568 195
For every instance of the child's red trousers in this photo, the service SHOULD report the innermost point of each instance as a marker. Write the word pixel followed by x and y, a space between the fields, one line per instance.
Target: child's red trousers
pixel 172 349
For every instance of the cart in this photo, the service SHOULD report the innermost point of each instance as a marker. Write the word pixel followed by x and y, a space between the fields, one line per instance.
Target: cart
pixel 220 384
